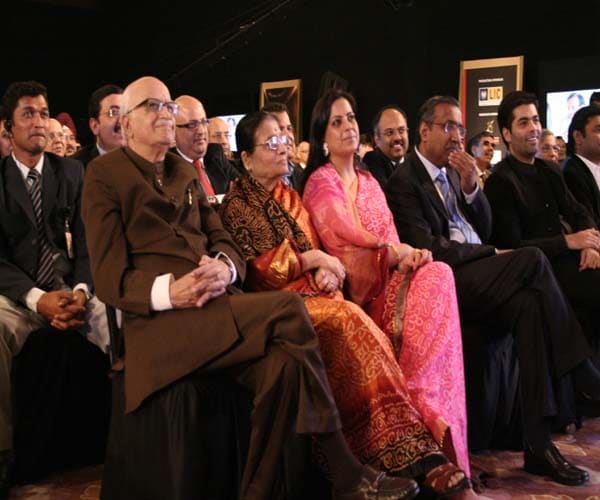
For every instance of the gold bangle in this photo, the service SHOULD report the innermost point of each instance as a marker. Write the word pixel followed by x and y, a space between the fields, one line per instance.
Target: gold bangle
pixel 394 251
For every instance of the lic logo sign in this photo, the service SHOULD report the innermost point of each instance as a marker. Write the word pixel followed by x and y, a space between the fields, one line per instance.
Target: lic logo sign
pixel 490 96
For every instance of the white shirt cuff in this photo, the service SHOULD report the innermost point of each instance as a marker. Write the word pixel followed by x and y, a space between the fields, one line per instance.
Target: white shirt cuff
pixel 232 268
pixel 470 197
pixel 84 288
pixel 32 298
pixel 160 297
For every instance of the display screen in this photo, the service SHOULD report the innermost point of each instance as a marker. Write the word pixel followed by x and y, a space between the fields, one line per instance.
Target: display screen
pixel 561 106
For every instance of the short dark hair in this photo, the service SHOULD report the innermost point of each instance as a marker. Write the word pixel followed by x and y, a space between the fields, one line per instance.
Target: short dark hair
pixel 246 129
pixel 427 111
pixel 580 120
pixel 511 101
pixel 476 139
pixel 595 98
pixel 15 91
pixel 98 95
pixel 275 107
pixel 318 125
pixel 377 117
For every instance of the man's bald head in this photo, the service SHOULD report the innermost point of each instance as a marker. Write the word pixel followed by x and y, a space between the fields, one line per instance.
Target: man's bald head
pixel 192 127
pixel 218 132
pixel 56 138
pixel 148 132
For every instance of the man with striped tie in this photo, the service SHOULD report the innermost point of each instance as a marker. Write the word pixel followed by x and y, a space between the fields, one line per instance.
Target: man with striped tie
pixel 44 269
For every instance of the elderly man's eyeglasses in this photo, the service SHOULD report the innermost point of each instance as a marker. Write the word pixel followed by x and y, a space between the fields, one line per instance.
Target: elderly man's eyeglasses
pixel 274 141
pixel 156 106
pixel 220 135
pixel 112 112
pixel 56 135
pixel 549 147
pixel 194 124
pixel 450 127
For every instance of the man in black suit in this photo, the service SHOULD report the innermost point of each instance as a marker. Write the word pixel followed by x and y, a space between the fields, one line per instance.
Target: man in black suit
pixel 390 131
pixel 104 111
pixel 282 115
pixel 437 204
pixel 44 269
pixel 530 203
pixel 191 136
pixel 582 168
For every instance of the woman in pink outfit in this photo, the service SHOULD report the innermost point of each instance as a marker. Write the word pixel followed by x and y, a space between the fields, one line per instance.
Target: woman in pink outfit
pixel 410 297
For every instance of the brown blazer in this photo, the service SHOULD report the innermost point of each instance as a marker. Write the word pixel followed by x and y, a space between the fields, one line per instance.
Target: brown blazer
pixel 143 221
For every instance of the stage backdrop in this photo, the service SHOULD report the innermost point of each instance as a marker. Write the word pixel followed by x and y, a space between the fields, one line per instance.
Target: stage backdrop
pixel 482 84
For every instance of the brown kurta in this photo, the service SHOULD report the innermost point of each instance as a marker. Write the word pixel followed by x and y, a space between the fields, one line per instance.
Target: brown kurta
pixel 144 220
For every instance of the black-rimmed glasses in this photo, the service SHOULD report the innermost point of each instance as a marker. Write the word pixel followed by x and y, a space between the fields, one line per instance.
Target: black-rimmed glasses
pixel 194 124
pixel 450 127
pixel 274 141
pixel 156 106
pixel 112 112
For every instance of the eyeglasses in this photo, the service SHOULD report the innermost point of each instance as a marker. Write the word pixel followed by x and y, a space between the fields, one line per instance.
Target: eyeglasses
pixel 548 147
pixel 450 127
pixel 112 112
pixel 156 106
pixel 389 132
pixel 194 124
pixel 220 135
pixel 56 135
pixel 274 141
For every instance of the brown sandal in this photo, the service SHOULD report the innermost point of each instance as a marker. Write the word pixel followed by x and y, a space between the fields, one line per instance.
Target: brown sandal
pixel 439 480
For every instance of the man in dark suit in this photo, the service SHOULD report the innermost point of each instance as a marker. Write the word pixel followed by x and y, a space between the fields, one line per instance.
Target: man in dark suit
pixel 582 168
pixel 530 203
pixel 103 112
pixel 437 204
pixel 44 269
pixel 159 253
pixel 282 115
pixel 214 169
pixel 390 130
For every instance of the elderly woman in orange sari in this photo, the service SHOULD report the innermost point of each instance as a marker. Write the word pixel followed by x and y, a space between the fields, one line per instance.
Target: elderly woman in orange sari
pixel 412 299
pixel 269 223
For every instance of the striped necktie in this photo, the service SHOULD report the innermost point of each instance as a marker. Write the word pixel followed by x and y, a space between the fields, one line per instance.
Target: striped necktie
pixel 45 270
pixel 456 219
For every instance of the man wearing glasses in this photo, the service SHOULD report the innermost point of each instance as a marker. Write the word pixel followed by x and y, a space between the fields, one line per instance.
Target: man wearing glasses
pixel 191 136
pixel 548 149
pixel 103 110
pixel 218 133
pixel 159 253
pixel 390 131
pixel 437 204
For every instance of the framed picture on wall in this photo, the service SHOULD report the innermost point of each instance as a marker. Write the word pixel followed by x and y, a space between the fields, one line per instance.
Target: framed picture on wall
pixel 482 85
pixel 287 92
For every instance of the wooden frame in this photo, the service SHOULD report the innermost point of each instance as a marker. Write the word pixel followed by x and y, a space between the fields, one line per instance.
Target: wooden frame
pixel 482 85
pixel 288 92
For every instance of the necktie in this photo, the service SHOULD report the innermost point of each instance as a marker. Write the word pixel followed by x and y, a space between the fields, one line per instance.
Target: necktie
pixel 45 270
pixel 456 219
pixel 204 180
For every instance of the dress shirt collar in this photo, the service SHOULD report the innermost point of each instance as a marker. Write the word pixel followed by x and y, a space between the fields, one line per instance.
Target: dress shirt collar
pixel 100 150
pixel 25 169
pixel 593 167
pixel 432 170
pixel 185 157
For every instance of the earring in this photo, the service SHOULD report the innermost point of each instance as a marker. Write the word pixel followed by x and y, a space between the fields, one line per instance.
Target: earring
pixel 325 149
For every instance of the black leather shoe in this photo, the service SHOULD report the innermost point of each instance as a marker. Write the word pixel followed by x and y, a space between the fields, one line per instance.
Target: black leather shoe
pixel 551 463
pixel 382 487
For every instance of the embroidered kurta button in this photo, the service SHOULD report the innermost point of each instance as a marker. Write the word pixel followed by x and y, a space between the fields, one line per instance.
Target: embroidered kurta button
pixel 159 182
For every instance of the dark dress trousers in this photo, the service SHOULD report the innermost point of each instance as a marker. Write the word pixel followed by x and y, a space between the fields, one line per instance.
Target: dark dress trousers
pixel 516 291
pixel 380 166
pixel 529 203
pixel 144 220
pixel 583 186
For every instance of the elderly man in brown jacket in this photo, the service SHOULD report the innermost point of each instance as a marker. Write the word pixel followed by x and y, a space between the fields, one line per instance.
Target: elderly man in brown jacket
pixel 159 253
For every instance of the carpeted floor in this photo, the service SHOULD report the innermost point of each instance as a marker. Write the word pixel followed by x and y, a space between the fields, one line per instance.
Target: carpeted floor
pixel 512 482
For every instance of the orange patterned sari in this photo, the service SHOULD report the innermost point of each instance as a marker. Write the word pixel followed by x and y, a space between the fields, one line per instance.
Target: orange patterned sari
pixel 418 311
pixel 380 423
